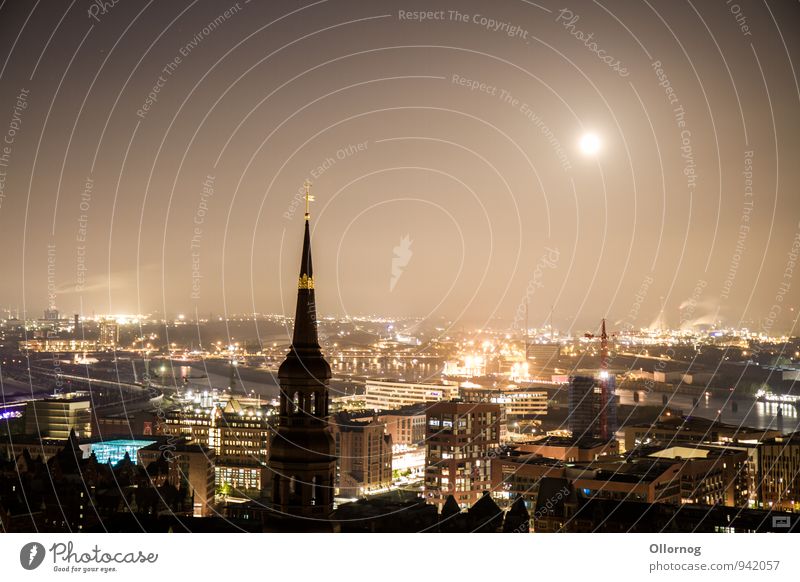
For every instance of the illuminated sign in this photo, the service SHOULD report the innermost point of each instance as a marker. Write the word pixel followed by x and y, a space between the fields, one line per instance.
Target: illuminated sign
pixel 9 414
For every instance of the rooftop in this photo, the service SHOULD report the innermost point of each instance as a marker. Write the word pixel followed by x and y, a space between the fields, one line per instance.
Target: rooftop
pixel 580 442
pixel 417 409
pixel 789 439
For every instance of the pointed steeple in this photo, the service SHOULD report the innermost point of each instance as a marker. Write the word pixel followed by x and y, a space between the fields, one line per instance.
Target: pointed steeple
pixel 302 449
pixel 305 356
pixel 305 316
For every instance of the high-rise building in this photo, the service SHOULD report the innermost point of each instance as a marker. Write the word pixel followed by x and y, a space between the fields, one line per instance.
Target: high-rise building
pixel 779 473
pixel 109 334
pixel 302 451
pixel 592 407
pixel 364 455
pixel 460 439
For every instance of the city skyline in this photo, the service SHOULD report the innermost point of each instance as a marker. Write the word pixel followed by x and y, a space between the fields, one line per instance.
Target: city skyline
pixel 553 290
pixel 448 154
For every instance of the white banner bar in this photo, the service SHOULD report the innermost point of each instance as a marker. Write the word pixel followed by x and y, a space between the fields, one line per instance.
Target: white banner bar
pixel 389 557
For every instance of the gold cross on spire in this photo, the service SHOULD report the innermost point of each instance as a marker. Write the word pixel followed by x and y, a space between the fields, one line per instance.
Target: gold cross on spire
pixel 309 199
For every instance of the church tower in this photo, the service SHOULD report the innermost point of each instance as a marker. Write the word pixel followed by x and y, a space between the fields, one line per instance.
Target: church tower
pixel 302 450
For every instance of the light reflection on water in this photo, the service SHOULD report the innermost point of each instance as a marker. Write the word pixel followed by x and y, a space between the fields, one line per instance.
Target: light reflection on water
pixel 749 412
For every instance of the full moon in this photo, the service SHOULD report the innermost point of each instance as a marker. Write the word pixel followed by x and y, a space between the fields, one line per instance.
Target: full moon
pixel 590 144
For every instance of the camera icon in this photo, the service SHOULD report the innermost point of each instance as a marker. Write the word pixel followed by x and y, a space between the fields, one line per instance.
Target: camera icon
pixel 782 521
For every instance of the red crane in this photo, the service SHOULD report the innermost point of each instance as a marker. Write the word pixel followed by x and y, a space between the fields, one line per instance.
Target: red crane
pixel 604 390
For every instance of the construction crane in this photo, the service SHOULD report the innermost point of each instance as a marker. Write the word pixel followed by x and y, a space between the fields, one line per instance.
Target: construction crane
pixel 604 379
pixel 603 344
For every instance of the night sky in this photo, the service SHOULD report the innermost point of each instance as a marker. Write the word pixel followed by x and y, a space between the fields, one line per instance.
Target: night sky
pixel 154 153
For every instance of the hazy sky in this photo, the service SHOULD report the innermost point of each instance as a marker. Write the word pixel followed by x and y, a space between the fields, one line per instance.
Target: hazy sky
pixel 158 148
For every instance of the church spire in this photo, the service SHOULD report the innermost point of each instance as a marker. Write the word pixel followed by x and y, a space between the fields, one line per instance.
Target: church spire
pixel 305 317
pixel 305 356
pixel 302 449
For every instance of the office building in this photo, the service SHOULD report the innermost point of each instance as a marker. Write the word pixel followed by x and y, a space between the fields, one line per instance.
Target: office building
pixel 515 401
pixel 690 429
pixel 54 417
pixel 58 345
pixel 460 439
pixel 779 473
pixel 677 474
pixel 364 455
pixel 109 334
pixel 124 424
pixel 406 425
pixel 239 434
pixel 709 475
pixel 389 395
pixel 592 407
